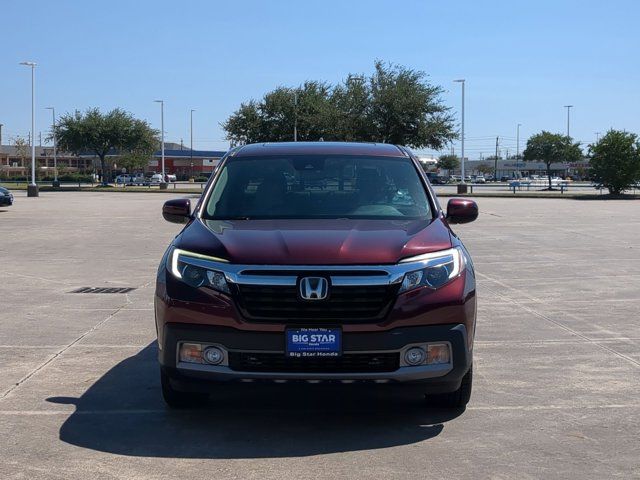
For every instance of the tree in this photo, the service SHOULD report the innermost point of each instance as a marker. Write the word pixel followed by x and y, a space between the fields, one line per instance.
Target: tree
pixel 615 161
pixel 393 105
pixel 551 148
pixel 484 168
pixel 407 110
pixel 116 132
pixel 22 151
pixel 448 162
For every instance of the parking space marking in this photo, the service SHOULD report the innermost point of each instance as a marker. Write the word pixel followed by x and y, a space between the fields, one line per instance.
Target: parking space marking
pixel 53 357
pixel 553 342
pixel 551 320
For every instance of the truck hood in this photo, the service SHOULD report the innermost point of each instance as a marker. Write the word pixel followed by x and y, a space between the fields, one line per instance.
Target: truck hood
pixel 314 242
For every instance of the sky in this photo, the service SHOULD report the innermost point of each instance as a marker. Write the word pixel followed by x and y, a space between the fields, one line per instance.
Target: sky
pixel 522 61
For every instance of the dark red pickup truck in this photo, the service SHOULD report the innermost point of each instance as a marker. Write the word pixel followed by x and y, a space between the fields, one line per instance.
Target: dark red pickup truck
pixel 328 262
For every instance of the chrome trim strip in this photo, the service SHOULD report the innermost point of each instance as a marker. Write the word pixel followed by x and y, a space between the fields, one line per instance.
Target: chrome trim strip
pixel 393 274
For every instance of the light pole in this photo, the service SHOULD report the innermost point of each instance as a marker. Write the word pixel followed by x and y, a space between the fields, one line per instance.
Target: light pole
pixel 191 132
pixel 568 107
pixel 55 146
pixel 295 116
pixel 32 189
pixel 462 188
pixel 163 183
pixel 597 136
pixel 518 145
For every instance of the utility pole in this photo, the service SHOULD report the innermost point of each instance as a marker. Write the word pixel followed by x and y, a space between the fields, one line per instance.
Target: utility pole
pixel 40 138
pixel 1 125
pixel 597 134
pixel 495 161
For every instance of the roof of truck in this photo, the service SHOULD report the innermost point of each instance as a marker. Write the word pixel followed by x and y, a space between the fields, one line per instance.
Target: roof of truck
pixel 320 148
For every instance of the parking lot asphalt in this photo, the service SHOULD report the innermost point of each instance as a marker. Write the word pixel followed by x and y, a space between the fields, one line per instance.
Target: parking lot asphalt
pixel 557 362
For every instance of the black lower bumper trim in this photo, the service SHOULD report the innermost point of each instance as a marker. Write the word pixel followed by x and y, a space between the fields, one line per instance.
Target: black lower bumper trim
pixel 394 339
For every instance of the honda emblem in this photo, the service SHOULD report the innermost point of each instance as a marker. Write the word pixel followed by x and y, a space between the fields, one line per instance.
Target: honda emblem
pixel 314 288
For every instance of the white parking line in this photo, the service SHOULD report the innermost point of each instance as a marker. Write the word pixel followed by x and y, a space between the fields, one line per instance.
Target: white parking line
pixel 596 343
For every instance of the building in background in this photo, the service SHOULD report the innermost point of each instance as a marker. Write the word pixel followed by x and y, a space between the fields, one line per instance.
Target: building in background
pixel 16 161
pixel 185 162
pixel 513 168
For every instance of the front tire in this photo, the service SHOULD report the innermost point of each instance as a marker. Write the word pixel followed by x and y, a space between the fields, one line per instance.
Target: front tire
pixel 456 399
pixel 177 399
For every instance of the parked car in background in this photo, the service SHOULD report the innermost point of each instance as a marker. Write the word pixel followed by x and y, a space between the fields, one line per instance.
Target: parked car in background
pixel 479 179
pixel 505 178
pixel 123 179
pixel 138 179
pixel 156 178
pixel 360 282
pixel 6 197
pixel 440 180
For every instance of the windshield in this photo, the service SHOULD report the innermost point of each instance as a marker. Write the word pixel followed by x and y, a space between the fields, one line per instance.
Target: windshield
pixel 318 187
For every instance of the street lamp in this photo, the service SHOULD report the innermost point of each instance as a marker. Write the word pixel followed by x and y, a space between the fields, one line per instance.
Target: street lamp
pixel 163 184
pixel 295 116
pixel 32 189
pixel 518 145
pixel 55 146
pixel 462 188
pixel 191 131
pixel 568 107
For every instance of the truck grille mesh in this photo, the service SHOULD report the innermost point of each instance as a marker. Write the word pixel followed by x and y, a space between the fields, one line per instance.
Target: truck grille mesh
pixel 345 303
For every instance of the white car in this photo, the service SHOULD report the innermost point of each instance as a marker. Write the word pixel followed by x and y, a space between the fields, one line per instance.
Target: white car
pixel 156 179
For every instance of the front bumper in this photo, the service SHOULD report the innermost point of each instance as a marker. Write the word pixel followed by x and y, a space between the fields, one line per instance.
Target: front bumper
pixel 429 378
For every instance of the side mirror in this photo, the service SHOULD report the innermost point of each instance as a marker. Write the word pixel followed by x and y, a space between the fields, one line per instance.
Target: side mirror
pixel 177 211
pixel 461 210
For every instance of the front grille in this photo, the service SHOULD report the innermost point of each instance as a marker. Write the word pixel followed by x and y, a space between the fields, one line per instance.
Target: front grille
pixel 347 363
pixel 345 303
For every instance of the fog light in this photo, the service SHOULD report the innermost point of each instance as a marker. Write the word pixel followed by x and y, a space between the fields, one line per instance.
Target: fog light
pixel 438 353
pixel 213 355
pixel 191 353
pixel 415 356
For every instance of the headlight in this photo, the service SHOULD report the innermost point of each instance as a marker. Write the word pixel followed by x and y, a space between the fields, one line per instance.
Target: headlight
pixel 192 269
pixel 437 270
